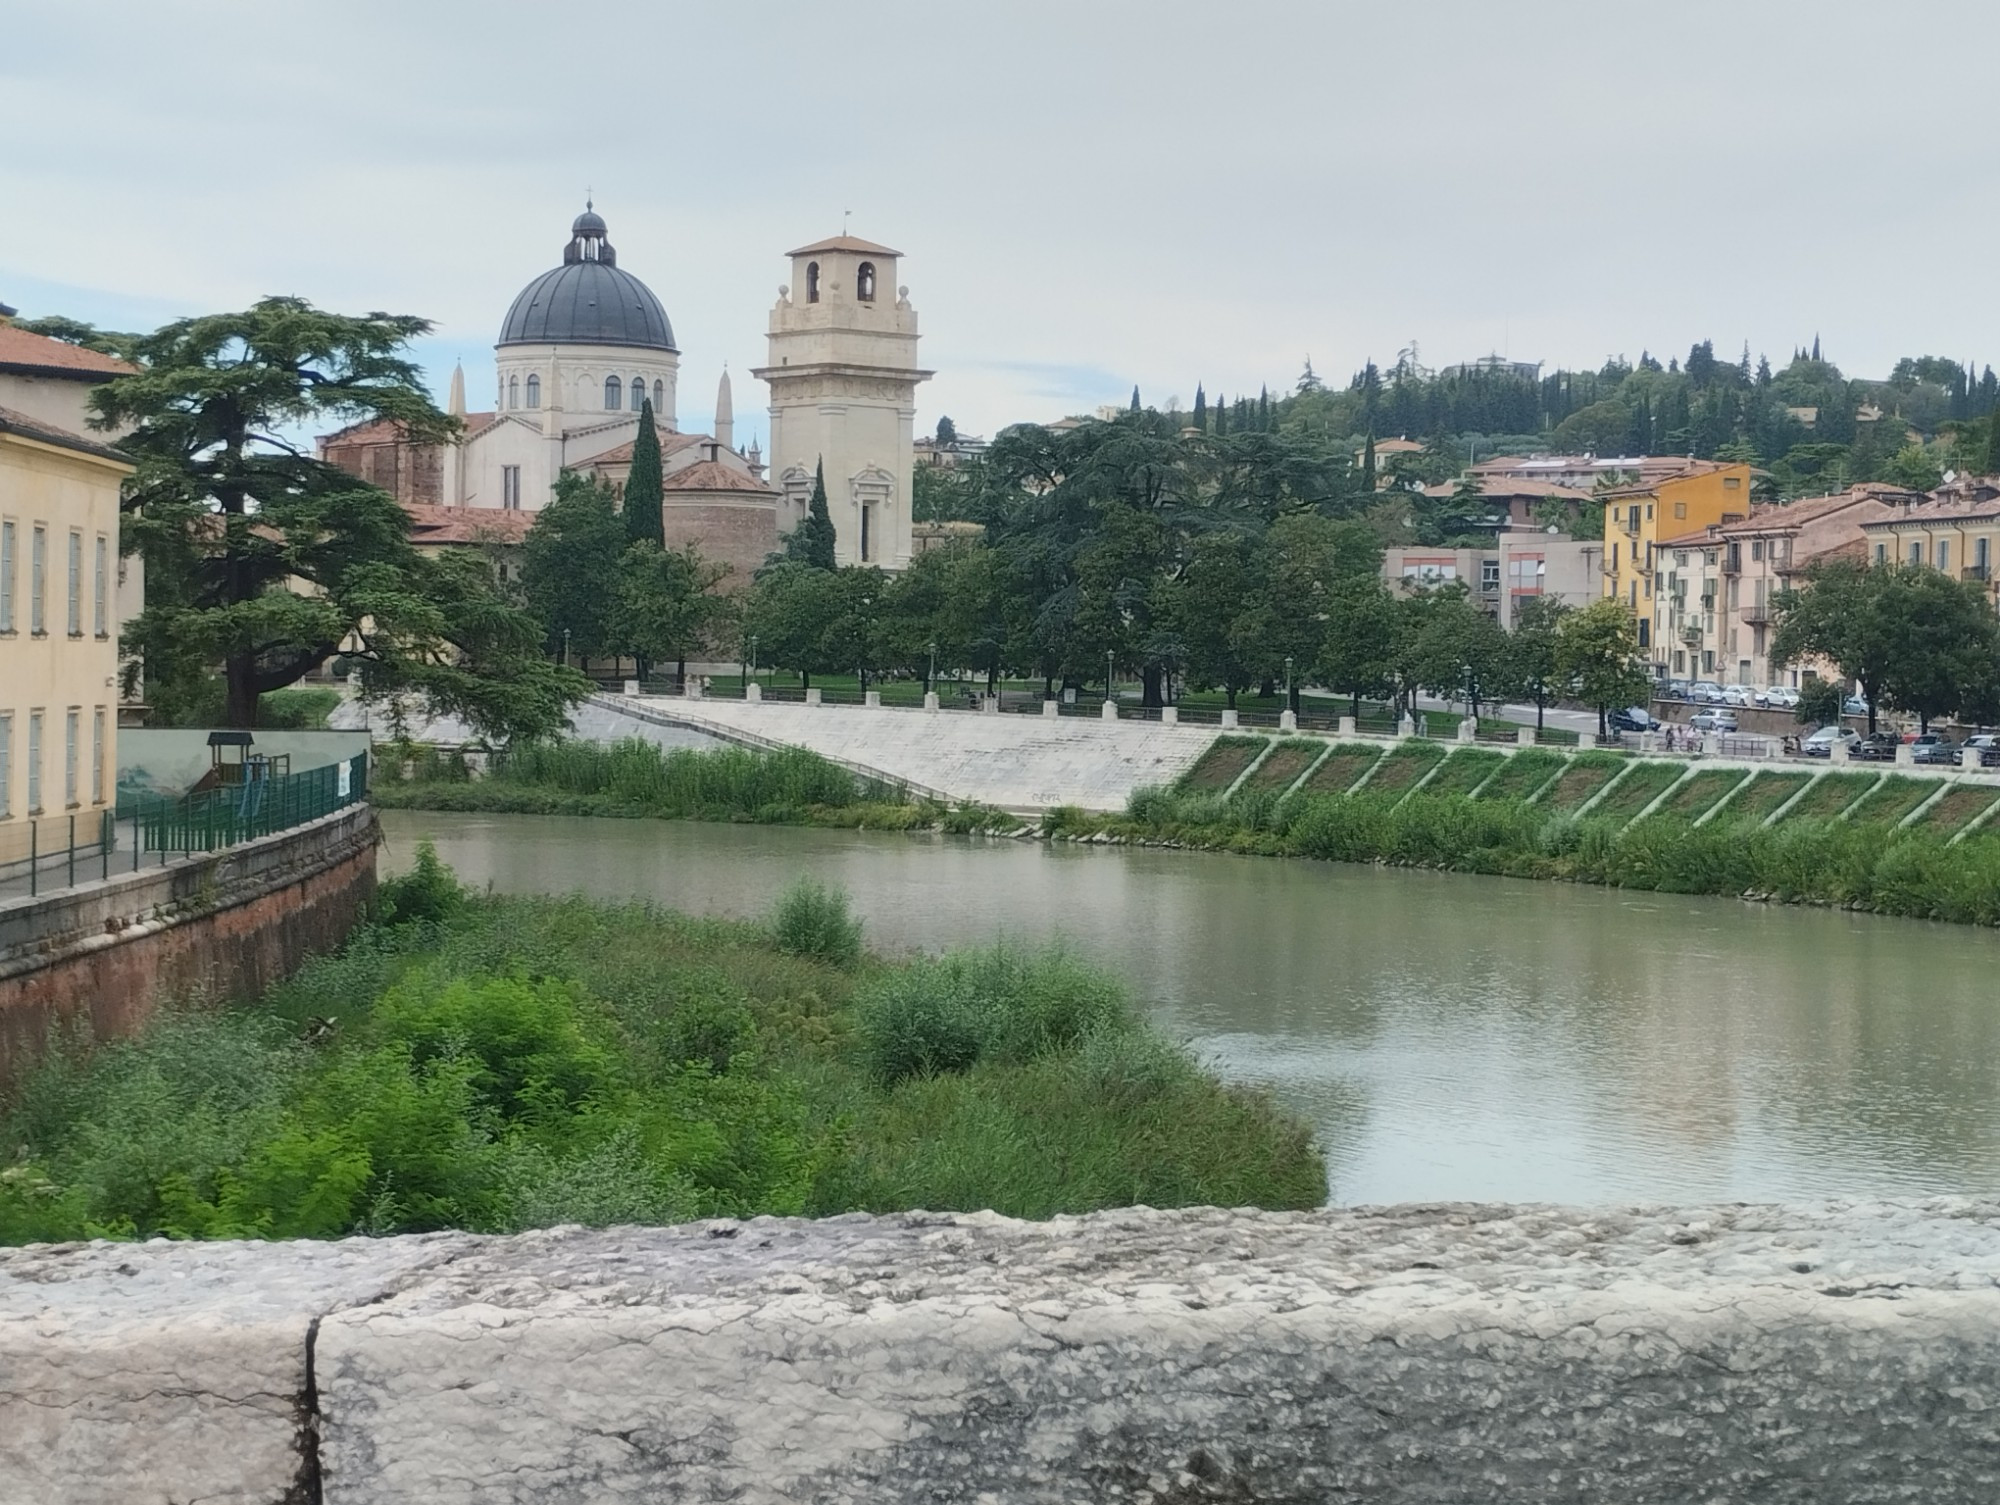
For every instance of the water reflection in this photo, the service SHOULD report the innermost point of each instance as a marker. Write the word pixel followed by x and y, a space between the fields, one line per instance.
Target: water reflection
pixel 1453 1037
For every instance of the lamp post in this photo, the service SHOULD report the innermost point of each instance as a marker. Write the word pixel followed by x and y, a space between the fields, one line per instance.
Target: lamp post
pixel 753 655
pixel 565 647
pixel 1110 655
pixel 930 678
pixel 1288 682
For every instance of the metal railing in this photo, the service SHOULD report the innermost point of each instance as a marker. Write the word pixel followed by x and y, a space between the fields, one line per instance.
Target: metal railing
pixel 49 851
pixel 212 819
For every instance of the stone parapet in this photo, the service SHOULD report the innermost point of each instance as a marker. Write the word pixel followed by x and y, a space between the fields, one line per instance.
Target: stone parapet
pixel 1825 1354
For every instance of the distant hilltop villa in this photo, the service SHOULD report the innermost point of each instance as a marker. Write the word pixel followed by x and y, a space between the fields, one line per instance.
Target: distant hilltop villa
pixel 586 345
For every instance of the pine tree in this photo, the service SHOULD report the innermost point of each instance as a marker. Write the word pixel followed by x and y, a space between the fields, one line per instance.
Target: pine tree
pixel 811 542
pixel 643 489
pixel 1200 408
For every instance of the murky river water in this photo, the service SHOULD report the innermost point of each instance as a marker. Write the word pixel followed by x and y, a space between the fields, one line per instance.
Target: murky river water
pixel 1454 1037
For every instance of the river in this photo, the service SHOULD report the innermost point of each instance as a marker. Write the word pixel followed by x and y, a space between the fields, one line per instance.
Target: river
pixel 1452 1037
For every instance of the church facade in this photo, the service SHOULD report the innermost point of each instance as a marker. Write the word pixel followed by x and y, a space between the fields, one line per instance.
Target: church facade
pixel 586 345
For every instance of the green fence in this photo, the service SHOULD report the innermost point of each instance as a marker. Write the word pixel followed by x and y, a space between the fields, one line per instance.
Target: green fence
pixel 216 818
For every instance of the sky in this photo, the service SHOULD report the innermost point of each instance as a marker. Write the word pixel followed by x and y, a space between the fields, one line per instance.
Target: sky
pixel 1090 195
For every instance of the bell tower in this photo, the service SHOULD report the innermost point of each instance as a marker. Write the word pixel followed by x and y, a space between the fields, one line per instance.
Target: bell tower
pixel 843 374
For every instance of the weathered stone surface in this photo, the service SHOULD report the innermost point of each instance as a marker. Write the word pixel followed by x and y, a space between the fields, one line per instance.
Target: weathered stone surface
pixel 1418 1354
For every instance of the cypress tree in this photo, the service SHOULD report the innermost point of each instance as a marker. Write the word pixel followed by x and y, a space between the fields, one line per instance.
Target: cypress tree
pixel 817 550
pixel 1993 444
pixel 1200 409
pixel 1815 354
pixel 1264 409
pixel 1368 467
pixel 643 489
pixel 1221 415
pixel 1135 399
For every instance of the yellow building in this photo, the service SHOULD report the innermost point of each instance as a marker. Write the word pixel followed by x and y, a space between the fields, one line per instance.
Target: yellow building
pixel 1637 519
pixel 1955 529
pixel 58 643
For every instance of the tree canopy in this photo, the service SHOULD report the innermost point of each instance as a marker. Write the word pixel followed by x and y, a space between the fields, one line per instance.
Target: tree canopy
pixel 268 561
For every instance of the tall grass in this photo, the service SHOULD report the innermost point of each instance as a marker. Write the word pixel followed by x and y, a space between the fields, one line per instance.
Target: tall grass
pixel 518 1063
pixel 1814 859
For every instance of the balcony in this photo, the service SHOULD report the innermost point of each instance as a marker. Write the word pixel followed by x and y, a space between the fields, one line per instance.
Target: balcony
pixel 1690 635
pixel 1980 572
pixel 1754 615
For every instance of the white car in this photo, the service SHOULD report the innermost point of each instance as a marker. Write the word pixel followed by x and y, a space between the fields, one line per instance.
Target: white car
pixel 1782 698
pixel 1737 695
pixel 1706 691
pixel 1713 721
pixel 1820 743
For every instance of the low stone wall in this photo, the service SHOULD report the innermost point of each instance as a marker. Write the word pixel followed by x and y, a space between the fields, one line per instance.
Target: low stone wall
pixel 227 923
pixel 1845 1353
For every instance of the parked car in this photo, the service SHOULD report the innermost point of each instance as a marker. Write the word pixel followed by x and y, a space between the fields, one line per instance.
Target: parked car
pixel 1987 745
pixel 1713 721
pixel 1738 696
pixel 1878 748
pixel 1634 719
pixel 1934 747
pixel 1854 705
pixel 1820 743
pixel 1674 689
pixel 1780 698
pixel 1706 691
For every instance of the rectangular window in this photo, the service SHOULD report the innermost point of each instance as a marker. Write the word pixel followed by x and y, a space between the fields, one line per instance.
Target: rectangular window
pixel 34 762
pixel 1681 510
pixel 97 756
pixel 1756 548
pixel 510 487
pixel 7 576
pixel 6 763
pixel 1732 483
pixel 1881 553
pixel 867 518
pixel 1614 558
pixel 1980 553
pixel 1489 574
pixel 100 607
pixel 74 618
pixel 1944 554
pixel 38 571
pixel 69 756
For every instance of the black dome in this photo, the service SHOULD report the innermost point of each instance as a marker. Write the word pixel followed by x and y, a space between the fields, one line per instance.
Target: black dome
pixel 588 300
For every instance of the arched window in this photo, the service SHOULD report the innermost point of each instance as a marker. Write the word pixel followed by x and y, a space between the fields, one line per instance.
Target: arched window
pixel 659 397
pixel 513 391
pixel 614 394
pixel 864 282
pixel 812 282
pixel 534 391
pixel 638 393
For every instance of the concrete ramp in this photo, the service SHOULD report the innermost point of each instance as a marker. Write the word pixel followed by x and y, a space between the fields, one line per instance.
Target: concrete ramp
pixel 1026 763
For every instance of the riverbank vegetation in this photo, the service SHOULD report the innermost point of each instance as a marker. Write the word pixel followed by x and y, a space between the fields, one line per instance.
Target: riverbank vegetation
pixel 499 1064
pixel 639 779
pixel 1918 848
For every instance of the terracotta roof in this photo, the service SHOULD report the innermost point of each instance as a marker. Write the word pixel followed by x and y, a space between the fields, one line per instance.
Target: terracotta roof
pixel 390 431
pixel 39 353
pixel 1701 538
pixel 22 425
pixel 1501 486
pixel 1943 510
pixel 1810 509
pixel 671 443
pixel 711 475
pixel 464 525
pixel 844 243
pixel 1649 488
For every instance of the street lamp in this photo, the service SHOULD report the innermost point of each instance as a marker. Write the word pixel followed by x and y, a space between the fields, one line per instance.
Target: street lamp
pixel 753 656
pixel 1288 682
pixel 930 679
pixel 565 647
pixel 1110 654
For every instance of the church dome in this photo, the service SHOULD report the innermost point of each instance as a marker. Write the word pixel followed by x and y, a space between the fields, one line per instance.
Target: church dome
pixel 588 300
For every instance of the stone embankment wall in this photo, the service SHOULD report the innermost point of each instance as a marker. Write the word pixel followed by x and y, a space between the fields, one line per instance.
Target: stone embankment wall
pixel 1848 1353
pixel 1016 762
pixel 225 923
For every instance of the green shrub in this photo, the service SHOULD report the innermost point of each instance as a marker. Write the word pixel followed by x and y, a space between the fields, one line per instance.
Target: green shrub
pixel 812 920
pixel 428 892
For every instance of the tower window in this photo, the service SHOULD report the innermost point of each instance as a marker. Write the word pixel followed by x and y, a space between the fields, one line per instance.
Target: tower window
pixel 659 397
pixel 534 391
pixel 614 394
pixel 638 393
pixel 513 391
pixel 812 282
pixel 864 282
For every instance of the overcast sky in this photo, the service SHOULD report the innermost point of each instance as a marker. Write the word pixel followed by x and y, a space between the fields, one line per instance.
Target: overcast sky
pixel 1090 194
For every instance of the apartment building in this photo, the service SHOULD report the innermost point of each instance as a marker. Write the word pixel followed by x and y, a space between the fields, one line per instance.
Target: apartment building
pixel 1520 566
pixel 1638 519
pixel 1955 530
pixel 58 643
pixel 1713 589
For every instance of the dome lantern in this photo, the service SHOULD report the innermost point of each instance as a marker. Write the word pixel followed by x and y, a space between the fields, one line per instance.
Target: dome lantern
pixel 588 300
